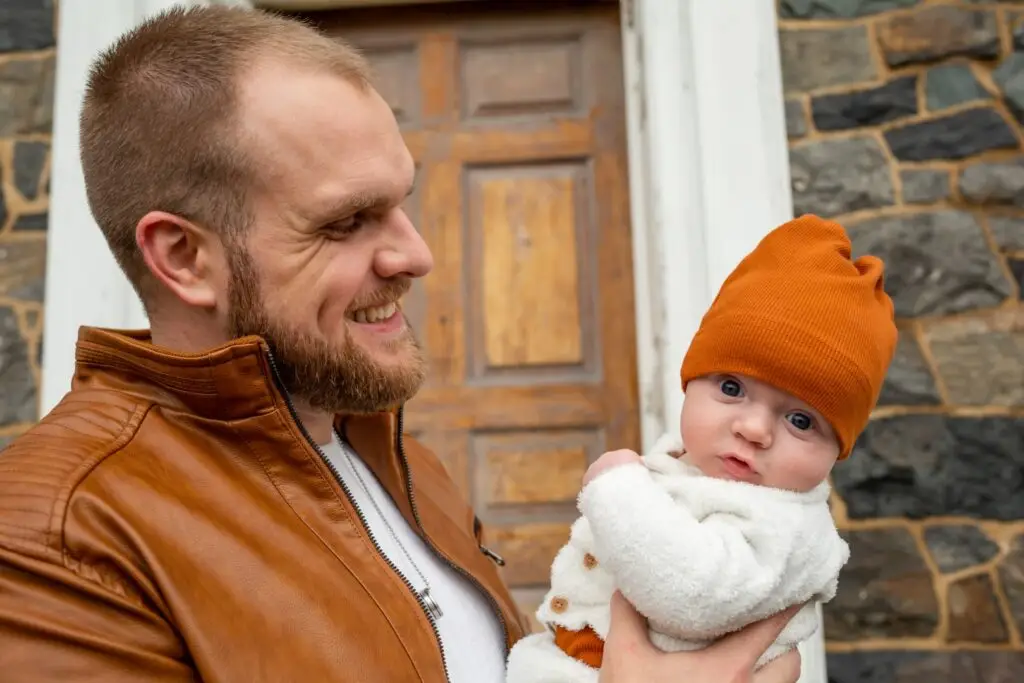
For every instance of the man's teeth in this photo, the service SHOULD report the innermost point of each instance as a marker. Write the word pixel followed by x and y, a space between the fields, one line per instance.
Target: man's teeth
pixel 375 313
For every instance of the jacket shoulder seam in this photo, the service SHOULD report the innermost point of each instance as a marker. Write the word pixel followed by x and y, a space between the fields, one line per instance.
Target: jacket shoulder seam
pixel 48 542
pixel 123 438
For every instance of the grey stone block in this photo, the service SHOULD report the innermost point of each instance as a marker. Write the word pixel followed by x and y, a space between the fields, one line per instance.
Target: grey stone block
pixel 924 186
pixel 23 269
pixel 919 466
pixel 896 99
pixel 18 399
pixel 29 160
pixel 937 263
pixel 956 136
pixel 909 382
pixel 1008 232
pixel 981 360
pixel 832 177
pixel 955 547
pixel 26 25
pixel 925 666
pixel 885 589
pixel 817 58
pixel 26 96
pixel 796 120
pixel 948 85
pixel 994 183
pixel 839 9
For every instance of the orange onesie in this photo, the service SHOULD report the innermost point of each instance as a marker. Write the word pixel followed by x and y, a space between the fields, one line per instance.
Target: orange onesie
pixel 585 646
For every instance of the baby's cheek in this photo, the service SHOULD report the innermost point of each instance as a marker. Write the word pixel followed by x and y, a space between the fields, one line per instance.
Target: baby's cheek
pixel 799 474
pixel 698 437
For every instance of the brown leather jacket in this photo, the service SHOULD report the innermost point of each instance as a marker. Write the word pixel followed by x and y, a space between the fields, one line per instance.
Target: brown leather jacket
pixel 170 520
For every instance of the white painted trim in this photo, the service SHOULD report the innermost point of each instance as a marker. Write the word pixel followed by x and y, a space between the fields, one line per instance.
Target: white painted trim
pixel 709 177
pixel 649 308
pixel 83 283
pixel 666 193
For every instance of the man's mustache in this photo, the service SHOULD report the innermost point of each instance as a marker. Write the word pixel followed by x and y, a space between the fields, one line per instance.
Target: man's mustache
pixel 393 290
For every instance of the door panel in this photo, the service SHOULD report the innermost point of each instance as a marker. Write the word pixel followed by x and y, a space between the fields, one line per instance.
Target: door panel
pixel 514 114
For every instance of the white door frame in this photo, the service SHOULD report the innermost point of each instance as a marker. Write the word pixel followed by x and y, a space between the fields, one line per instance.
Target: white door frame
pixel 708 175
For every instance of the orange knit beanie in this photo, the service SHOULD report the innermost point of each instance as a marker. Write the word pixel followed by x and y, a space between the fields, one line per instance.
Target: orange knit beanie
pixel 798 313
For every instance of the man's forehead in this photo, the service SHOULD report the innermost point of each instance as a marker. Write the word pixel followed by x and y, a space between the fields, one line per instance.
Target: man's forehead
pixel 317 135
pixel 304 113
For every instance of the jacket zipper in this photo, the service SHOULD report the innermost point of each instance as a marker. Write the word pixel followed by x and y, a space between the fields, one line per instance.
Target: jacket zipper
pixel 430 544
pixel 362 517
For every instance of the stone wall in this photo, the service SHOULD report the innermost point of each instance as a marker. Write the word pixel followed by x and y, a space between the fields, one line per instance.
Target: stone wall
pixel 26 103
pixel 905 123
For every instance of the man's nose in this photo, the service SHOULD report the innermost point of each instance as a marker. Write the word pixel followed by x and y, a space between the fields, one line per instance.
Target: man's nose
pixel 406 253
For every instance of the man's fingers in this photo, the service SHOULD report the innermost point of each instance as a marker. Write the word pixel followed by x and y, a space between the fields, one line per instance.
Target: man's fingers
pixel 627 629
pixel 784 669
pixel 748 644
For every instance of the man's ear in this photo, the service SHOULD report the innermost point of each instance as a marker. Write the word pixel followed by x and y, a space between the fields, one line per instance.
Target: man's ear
pixel 181 255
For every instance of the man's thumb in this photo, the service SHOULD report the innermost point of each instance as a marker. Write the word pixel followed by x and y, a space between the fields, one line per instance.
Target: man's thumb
pixel 628 629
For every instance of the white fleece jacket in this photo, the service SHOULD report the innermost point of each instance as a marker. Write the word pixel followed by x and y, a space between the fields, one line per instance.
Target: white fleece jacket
pixel 698 556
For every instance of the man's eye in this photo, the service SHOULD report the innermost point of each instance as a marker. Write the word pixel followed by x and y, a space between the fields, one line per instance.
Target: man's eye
pixel 345 226
pixel 801 421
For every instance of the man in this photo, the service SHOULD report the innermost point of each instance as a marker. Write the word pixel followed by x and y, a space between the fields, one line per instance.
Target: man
pixel 229 496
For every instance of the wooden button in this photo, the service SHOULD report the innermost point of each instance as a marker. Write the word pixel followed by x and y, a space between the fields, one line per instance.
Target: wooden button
pixel 589 561
pixel 559 605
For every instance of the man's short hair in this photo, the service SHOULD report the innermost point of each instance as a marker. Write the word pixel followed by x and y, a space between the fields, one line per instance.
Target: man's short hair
pixel 158 123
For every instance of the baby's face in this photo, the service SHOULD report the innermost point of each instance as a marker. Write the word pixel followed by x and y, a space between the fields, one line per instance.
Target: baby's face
pixel 736 427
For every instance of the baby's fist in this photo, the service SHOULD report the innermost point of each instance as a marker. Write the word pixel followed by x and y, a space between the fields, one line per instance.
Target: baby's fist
pixel 609 460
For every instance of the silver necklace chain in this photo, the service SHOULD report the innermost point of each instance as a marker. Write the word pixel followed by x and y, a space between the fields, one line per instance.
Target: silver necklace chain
pixel 424 594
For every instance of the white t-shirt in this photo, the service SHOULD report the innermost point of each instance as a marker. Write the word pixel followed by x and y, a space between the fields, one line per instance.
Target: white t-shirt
pixel 471 634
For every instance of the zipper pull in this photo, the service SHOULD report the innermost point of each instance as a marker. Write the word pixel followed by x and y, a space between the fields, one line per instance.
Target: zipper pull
pixel 498 559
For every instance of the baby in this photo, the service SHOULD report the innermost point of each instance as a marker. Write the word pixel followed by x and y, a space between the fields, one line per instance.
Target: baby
pixel 734 526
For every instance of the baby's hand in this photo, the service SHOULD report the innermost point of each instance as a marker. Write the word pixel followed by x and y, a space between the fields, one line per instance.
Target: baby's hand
pixel 609 460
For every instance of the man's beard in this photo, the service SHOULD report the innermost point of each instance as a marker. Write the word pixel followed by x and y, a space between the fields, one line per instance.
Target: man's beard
pixel 337 377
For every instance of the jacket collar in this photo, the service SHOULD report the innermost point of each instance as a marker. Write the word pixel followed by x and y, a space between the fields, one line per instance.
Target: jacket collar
pixel 230 382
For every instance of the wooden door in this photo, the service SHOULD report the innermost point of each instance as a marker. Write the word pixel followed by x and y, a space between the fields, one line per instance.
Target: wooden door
pixel 514 114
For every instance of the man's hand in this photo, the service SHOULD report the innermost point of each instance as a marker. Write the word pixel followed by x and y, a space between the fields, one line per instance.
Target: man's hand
pixel 629 656
pixel 607 461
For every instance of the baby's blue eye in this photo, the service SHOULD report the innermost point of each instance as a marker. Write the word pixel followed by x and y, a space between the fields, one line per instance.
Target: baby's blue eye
pixel 801 421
